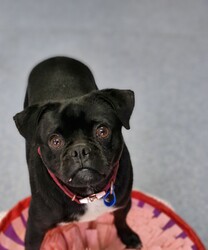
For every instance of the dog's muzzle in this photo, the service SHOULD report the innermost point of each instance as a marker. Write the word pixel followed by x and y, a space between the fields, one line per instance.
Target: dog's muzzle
pixel 108 193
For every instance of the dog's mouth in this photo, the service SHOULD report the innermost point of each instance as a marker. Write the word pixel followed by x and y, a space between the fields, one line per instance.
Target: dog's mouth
pixel 85 181
pixel 85 176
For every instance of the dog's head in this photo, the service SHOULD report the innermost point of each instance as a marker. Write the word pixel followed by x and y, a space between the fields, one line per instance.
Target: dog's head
pixel 80 139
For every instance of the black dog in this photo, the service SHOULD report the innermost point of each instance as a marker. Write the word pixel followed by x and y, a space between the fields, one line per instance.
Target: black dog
pixel 79 165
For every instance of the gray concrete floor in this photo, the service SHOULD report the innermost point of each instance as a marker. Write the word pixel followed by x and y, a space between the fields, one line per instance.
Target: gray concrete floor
pixel 158 48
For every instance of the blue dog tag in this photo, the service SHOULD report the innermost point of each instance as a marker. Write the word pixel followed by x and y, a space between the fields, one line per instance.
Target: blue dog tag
pixel 109 199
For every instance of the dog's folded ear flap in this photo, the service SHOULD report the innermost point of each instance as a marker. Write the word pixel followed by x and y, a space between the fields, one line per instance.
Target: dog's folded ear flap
pixel 27 120
pixel 122 101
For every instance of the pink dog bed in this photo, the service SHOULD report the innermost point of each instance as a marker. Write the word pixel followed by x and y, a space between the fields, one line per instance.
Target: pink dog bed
pixel 158 226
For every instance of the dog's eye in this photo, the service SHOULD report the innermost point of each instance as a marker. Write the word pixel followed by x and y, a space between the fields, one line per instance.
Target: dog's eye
pixel 56 141
pixel 102 132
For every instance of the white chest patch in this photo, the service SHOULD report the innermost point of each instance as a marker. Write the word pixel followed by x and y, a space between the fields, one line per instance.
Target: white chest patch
pixel 94 210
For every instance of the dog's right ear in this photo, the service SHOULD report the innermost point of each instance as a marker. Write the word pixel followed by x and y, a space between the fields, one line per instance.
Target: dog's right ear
pixel 27 120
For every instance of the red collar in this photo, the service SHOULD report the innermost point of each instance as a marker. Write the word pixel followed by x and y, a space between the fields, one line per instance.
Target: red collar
pixel 90 198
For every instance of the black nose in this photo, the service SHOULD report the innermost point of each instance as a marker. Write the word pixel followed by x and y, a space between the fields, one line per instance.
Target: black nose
pixel 80 151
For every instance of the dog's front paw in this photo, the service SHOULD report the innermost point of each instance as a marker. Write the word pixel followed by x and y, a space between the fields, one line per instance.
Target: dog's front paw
pixel 131 240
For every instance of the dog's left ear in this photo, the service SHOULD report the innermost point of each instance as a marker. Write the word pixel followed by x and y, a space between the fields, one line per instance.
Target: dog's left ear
pixel 122 101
